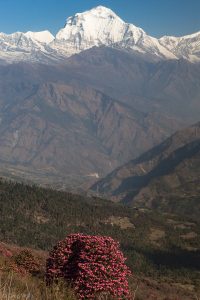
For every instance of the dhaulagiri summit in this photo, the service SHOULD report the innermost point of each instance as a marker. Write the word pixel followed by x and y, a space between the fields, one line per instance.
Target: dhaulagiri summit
pixel 97 27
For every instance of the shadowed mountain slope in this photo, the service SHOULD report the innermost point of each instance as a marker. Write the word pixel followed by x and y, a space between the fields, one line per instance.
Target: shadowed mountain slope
pixel 166 177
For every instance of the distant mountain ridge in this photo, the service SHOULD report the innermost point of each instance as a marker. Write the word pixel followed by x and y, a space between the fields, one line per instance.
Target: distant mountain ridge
pixel 52 126
pixel 166 177
pixel 97 27
pixel 67 124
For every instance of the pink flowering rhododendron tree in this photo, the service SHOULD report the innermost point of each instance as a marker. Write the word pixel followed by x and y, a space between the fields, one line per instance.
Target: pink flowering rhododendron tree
pixel 93 265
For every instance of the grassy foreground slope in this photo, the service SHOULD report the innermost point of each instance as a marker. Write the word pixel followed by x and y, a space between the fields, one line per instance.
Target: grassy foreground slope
pixel 17 286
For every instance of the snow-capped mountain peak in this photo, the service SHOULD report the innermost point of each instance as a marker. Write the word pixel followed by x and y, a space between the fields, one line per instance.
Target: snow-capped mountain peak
pixel 29 46
pixel 187 47
pixel 99 26
pixel 42 36
pixel 100 11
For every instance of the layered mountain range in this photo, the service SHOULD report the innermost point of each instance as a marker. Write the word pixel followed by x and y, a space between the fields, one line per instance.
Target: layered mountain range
pixel 166 177
pixel 67 120
pixel 99 26
pixel 58 126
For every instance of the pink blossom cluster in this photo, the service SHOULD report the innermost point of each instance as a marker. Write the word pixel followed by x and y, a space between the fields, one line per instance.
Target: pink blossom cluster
pixel 93 265
pixel 5 252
